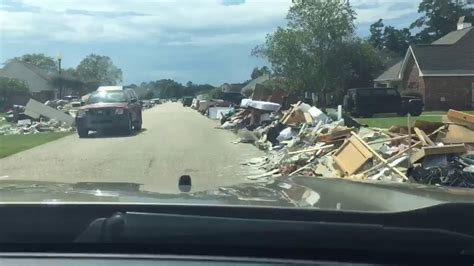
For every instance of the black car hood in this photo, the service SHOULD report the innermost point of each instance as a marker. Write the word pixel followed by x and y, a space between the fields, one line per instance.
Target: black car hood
pixel 305 192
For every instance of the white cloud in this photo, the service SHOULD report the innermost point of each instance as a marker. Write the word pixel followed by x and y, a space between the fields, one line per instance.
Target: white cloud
pixel 369 11
pixel 203 22
pixel 111 20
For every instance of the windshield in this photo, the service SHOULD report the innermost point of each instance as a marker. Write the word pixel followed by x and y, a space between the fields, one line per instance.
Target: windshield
pixel 343 105
pixel 107 97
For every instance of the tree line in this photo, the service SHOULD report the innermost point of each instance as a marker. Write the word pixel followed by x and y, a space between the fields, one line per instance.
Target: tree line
pixel 317 51
pixel 168 88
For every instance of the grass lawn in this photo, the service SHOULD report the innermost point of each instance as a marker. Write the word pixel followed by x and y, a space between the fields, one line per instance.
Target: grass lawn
pixel 386 121
pixel 15 143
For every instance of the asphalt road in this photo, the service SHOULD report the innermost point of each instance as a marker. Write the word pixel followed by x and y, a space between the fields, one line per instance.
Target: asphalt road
pixel 174 141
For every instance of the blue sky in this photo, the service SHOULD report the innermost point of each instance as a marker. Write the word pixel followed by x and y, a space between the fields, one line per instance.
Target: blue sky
pixel 205 41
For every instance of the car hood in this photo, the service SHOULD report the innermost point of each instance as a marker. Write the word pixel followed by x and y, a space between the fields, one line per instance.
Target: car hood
pixel 103 105
pixel 305 192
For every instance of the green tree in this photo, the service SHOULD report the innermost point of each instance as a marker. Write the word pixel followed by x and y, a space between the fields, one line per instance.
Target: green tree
pixel 439 18
pixel 97 70
pixel 40 60
pixel 169 88
pixel 149 95
pixel 10 88
pixel 396 40
pixel 300 51
pixel 376 35
pixel 354 63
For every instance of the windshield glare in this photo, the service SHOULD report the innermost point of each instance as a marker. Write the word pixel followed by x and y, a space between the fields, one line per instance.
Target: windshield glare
pixel 107 97
pixel 321 104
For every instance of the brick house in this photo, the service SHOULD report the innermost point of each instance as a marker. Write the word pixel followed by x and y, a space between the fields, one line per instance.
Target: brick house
pixel 442 72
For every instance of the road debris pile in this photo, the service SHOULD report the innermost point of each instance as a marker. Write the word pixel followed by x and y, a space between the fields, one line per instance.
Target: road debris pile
pixel 35 117
pixel 306 141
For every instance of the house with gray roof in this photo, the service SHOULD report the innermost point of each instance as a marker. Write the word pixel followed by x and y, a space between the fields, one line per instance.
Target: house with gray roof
pixel 442 72
pixel 43 84
pixel 250 87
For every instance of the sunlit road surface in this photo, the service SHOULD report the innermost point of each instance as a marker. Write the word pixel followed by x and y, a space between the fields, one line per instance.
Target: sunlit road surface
pixel 175 140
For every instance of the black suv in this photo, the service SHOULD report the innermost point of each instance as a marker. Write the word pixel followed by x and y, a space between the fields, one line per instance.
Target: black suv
pixel 187 100
pixel 368 101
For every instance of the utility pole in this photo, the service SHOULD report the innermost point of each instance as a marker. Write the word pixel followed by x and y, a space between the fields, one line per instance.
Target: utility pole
pixel 60 57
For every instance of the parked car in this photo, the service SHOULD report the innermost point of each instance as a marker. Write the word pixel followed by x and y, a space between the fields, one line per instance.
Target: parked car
pixel 109 109
pixel 187 100
pixel 174 100
pixel 368 101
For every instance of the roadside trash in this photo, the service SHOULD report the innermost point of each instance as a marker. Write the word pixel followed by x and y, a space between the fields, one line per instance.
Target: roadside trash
pixel 36 118
pixel 37 109
pixel 304 140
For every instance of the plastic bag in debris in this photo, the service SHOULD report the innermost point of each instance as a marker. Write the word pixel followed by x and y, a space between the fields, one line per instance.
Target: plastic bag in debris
pixel 388 151
pixel 318 115
pixel 369 135
pixel 228 125
pixel 286 134
pixel 469 169
pixel 304 107
pixel 453 175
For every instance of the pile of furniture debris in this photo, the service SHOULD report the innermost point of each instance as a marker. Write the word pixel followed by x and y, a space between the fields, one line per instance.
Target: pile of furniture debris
pixel 305 141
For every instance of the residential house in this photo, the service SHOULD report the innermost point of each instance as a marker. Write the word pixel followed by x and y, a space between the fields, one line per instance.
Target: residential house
pixel 43 85
pixel 231 88
pixel 250 87
pixel 442 72
pixel 389 78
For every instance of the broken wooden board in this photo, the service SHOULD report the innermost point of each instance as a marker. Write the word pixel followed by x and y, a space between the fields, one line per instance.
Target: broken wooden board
pixel 460 118
pixel 295 118
pixel 433 150
pixel 425 140
pixel 458 134
pixel 335 134
pixel 352 155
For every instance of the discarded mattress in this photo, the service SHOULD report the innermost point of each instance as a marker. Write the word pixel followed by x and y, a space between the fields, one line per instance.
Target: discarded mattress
pixel 265 106
pixel 245 103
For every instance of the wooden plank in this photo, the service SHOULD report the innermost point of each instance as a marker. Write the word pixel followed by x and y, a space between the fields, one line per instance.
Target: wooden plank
pixel 434 150
pixel 458 134
pixel 420 137
pixel 460 118
pixel 311 149
pixel 425 140
pixel 453 114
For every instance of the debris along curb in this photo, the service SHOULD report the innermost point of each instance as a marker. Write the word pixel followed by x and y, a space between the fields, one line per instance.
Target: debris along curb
pixel 303 140
pixel 36 117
